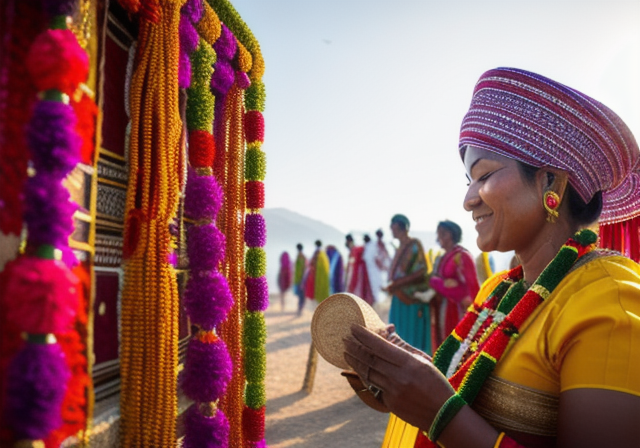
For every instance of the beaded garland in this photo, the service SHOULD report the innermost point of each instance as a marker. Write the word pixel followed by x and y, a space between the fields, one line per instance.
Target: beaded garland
pixel 150 302
pixel 468 356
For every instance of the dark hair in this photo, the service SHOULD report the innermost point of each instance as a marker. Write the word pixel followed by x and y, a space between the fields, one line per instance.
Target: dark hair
pixel 456 231
pixel 349 237
pixel 318 243
pixel 402 221
pixel 379 233
pixel 366 238
pixel 582 213
pixel 299 246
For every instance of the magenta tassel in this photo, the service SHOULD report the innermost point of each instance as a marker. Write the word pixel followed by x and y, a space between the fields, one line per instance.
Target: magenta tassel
pixel 222 78
pixel 243 80
pixel 53 140
pixel 207 299
pixel 36 383
pixel 226 45
pixel 255 232
pixel 184 70
pixel 205 247
pixel 203 197
pixel 59 7
pixel 48 211
pixel 193 9
pixel 207 370
pixel 257 293
pixel 205 432
pixel 188 34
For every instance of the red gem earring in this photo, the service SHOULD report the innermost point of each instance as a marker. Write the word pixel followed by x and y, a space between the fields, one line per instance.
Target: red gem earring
pixel 551 203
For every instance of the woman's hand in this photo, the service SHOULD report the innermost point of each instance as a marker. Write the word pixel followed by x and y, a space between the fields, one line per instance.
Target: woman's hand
pixel 412 387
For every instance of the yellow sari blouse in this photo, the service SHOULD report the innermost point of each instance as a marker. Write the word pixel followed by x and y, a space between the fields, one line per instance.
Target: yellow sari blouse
pixel 585 335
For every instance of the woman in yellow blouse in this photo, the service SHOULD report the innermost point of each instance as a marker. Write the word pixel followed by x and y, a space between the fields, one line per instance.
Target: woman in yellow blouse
pixel 549 353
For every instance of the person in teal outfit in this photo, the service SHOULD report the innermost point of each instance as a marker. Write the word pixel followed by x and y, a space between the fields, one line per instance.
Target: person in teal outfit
pixel 408 275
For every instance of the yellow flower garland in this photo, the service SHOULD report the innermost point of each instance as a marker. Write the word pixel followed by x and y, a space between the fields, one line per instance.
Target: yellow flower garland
pixel 150 303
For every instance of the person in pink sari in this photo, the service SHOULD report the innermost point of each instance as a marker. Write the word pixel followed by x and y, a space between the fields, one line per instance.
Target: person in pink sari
pixel 357 280
pixel 454 280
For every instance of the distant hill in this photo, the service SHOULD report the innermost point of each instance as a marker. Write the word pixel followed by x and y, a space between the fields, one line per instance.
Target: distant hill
pixel 285 229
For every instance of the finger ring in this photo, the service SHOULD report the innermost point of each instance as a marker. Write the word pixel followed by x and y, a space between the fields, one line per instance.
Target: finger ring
pixel 375 390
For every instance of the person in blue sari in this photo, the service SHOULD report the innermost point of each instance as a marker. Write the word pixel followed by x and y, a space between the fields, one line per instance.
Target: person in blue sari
pixel 408 275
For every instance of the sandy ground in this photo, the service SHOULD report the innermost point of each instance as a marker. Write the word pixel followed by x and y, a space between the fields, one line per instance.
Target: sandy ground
pixel 331 415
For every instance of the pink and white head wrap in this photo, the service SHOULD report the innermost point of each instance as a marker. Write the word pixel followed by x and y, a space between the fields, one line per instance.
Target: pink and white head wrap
pixel 533 119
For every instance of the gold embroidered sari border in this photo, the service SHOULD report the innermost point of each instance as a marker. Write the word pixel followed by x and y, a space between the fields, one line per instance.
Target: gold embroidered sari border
pixel 512 407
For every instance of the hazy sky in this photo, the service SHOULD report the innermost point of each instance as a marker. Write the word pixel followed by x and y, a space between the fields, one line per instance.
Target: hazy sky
pixel 365 97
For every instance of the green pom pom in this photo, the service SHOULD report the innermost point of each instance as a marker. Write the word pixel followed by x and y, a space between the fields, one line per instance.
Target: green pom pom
pixel 255 329
pixel 255 395
pixel 200 106
pixel 255 364
pixel 255 96
pixel 255 164
pixel 256 262
pixel 585 237
pixel 202 61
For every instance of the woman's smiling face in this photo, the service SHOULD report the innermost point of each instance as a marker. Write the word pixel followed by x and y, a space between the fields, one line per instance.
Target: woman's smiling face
pixel 506 207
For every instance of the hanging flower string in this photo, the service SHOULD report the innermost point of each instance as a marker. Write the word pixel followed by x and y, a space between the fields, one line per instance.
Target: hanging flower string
pixel 150 301
pixel 207 298
pixel 256 281
pixel 469 355
pixel 42 292
pixel 250 62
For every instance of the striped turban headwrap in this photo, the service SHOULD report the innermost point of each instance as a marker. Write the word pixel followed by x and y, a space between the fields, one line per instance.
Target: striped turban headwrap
pixel 533 119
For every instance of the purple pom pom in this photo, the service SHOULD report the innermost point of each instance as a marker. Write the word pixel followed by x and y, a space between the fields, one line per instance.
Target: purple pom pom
pixel 222 78
pixel 261 444
pixel 193 9
pixel 188 35
pixel 36 383
pixel 203 197
pixel 59 7
pixel 184 70
pixel 207 370
pixel 48 211
pixel 205 432
pixel 205 247
pixel 257 293
pixel 226 45
pixel 255 231
pixel 207 299
pixel 243 80
pixel 54 142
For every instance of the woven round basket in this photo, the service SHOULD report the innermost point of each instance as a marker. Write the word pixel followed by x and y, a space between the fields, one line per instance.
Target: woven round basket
pixel 332 322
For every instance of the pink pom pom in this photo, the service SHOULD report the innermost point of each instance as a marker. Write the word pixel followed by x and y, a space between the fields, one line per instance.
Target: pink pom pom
pixel 41 295
pixel 56 61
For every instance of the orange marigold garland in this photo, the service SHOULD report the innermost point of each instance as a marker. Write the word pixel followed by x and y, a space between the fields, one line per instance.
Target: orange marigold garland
pixel 150 303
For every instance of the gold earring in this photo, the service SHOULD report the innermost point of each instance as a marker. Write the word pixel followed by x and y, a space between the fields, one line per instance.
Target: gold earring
pixel 551 202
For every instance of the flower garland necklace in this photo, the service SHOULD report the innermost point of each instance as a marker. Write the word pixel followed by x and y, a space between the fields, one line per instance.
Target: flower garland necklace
pixel 470 353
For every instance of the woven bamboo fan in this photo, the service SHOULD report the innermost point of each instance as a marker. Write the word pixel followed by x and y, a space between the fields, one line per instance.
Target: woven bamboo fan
pixel 332 322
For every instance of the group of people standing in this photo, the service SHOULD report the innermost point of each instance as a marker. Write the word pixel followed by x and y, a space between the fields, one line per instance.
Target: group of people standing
pixel 428 296
pixel 325 272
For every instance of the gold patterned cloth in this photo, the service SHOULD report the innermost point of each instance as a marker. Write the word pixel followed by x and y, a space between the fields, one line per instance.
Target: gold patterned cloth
pixel 510 407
